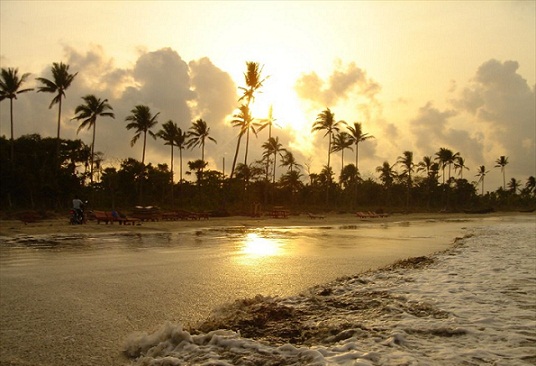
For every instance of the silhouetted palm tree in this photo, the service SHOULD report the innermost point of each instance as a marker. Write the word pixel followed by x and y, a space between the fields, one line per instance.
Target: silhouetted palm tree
pixel 181 142
pixel 60 82
pixel 290 162
pixel 268 122
pixel 243 121
pixel 292 181
pixel 530 185
pixel 273 147
pixel 425 165
pixel 446 158
pixel 326 121
pixel 459 164
pixel 253 81
pixel 197 166
pixel 501 163
pixel 481 173
pixel 198 133
pixel 10 86
pixel 142 120
pixel 342 141
pixel 94 107
pixel 387 174
pixel 358 136
pixel 169 134
pixel 513 185
pixel 406 161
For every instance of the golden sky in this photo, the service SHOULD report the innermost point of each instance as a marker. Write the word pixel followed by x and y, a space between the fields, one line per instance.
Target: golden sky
pixel 418 75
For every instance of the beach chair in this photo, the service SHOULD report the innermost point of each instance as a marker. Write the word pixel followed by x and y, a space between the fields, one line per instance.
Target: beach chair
pixel 312 216
pixel 102 216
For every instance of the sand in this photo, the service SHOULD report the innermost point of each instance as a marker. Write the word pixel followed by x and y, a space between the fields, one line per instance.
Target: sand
pixel 9 228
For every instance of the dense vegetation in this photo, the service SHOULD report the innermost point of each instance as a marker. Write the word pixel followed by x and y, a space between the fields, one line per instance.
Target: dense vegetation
pixel 38 181
pixel 46 173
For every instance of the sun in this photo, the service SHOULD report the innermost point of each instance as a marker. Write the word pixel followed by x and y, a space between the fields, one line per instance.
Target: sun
pixel 278 100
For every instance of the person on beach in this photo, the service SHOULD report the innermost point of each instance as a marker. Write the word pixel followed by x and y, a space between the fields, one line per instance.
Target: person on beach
pixel 78 206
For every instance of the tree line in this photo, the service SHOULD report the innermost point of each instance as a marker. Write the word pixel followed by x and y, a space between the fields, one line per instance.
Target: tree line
pixel 47 172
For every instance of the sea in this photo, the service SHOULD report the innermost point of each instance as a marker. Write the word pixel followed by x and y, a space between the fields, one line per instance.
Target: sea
pixel 468 300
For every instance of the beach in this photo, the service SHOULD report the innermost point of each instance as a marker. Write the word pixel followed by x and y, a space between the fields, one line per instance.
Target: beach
pixel 16 227
pixel 115 295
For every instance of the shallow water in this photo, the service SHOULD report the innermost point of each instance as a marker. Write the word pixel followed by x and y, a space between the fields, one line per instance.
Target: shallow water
pixel 75 299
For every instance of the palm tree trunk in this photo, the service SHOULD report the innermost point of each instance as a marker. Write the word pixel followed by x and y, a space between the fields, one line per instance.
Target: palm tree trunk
pixel 329 149
pixel 12 142
pixel 143 151
pixel 172 200
pixel 92 152
pixel 236 155
pixel 247 147
pixel 58 134
pixel 180 157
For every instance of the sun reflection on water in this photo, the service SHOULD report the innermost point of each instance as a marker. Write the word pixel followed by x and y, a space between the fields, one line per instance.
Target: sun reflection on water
pixel 255 246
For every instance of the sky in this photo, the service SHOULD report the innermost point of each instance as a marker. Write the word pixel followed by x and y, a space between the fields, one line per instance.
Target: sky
pixel 418 75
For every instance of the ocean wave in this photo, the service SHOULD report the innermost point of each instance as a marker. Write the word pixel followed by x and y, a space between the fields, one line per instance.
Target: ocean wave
pixel 420 311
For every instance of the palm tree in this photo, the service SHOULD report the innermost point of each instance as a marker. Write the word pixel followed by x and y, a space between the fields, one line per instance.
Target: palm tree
pixel 326 121
pixel 273 147
pixel 243 121
pixel 342 141
pixel 61 81
pixel 268 122
pixel 459 163
pixel 446 158
pixel 530 185
pixel 501 163
pixel 425 165
pixel 253 81
pixel 406 160
pixel 358 136
pixel 198 133
pixel 481 173
pixel 142 121
pixel 10 86
pixel 197 166
pixel 94 107
pixel 289 161
pixel 513 185
pixel 181 142
pixel 387 174
pixel 169 133
pixel 292 181
pixel 349 176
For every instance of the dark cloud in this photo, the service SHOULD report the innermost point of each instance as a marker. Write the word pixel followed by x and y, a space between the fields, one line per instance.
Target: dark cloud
pixel 504 105
pixel 341 83
pixel 433 129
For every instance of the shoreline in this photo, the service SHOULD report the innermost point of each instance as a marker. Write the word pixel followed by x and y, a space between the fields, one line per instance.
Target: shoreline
pixel 13 228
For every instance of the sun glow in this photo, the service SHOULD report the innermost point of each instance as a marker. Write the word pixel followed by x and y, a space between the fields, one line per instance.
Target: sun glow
pixel 256 246
pixel 287 113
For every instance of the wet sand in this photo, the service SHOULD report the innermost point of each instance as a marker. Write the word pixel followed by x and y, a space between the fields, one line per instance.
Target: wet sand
pixel 16 227
pixel 68 305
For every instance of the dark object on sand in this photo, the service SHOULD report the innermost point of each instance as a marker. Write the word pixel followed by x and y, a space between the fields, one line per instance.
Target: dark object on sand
pixel 479 211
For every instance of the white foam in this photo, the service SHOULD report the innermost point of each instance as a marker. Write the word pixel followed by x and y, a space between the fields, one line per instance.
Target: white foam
pixel 474 305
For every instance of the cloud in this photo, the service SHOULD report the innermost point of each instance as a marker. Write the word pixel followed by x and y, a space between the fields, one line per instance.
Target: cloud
pixel 503 105
pixel 341 83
